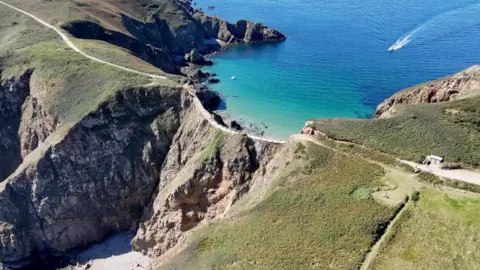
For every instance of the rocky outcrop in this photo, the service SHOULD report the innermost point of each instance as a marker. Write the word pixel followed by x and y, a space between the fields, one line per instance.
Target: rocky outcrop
pixel 94 179
pixel 144 155
pixel 460 85
pixel 196 58
pixel 13 93
pixel 171 29
pixel 146 50
pixel 241 31
pixel 24 123
pixel 204 174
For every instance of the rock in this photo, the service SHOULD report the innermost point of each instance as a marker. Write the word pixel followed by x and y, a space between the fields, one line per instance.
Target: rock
pixel 199 190
pixel 452 87
pixel 218 119
pixel 308 131
pixel 242 31
pixel 235 125
pixel 95 179
pixel 213 80
pixel 195 57
pixel 210 99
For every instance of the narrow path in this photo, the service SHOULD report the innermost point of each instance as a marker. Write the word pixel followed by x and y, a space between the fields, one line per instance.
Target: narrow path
pixel 370 258
pixel 76 49
pixel 196 101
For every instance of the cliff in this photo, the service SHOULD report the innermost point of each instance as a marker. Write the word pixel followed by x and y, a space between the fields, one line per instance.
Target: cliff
pixel 166 30
pixel 460 85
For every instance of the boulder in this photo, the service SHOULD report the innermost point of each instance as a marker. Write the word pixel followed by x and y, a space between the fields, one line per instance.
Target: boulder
pixel 195 57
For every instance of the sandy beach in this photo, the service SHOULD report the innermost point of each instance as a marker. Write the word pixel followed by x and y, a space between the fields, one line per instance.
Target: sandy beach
pixel 114 253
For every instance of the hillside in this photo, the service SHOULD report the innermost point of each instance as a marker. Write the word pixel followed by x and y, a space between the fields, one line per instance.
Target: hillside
pixel 159 32
pixel 89 150
pixel 412 127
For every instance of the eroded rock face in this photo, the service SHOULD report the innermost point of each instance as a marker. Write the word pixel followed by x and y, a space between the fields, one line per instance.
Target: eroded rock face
pixel 460 85
pixel 94 180
pixel 24 124
pixel 13 93
pixel 197 184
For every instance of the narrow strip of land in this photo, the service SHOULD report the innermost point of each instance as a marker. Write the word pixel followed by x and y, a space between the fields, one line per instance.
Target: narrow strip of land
pixel 198 105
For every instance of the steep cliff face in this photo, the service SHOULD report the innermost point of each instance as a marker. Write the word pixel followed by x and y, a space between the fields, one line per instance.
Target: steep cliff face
pixel 94 179
pixel 457 86
pixel 24 124
pixel 144 155
pixel 205 172
pixel 169 28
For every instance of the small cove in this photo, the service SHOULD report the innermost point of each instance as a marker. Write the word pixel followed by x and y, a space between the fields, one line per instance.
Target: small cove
pixel 335 61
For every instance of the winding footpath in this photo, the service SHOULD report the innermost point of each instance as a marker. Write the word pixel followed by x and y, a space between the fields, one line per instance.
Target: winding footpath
pixel 197 103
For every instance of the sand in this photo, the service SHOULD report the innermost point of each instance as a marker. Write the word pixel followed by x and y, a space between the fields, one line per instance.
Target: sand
pixel 114 253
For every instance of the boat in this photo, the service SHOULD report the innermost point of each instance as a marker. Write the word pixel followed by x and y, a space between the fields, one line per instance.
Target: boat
pixel 211 6
pixel 233 78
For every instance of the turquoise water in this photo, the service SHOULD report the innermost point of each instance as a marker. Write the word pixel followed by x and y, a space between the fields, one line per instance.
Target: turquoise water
pixel 335 61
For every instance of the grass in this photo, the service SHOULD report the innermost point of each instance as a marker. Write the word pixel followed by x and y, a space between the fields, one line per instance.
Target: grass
pixel 111 53
pixel 74 85
pixel 212 147
pixel 440 232
pixel 320 215
pixel 436 181
pixel 71 84
pixel 417 131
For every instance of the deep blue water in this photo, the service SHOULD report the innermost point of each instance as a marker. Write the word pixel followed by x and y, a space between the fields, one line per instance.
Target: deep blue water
pixel 335 61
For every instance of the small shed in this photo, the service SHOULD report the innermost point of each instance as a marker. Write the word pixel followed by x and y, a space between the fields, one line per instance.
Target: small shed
pixel 433 160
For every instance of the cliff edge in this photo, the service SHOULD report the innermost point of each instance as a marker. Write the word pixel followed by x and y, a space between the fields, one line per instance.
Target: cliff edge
pixel 458 86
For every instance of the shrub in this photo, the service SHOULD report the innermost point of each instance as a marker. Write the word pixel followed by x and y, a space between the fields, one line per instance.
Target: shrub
pixel 451 166
pixel 415 196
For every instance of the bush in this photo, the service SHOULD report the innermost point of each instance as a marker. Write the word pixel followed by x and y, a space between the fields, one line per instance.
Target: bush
pixel 415 196
pixel 451 166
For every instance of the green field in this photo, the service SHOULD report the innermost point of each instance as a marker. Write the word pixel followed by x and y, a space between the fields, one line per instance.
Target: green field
pixel 319 213
pixel 451 130
pixel 440 232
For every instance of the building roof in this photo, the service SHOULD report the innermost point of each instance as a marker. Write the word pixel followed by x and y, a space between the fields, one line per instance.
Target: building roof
pixel 435 157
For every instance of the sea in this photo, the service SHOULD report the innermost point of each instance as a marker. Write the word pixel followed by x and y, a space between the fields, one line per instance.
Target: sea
pixel 342 57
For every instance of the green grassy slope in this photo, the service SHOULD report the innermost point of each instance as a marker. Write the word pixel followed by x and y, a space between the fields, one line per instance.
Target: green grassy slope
pixel 319 214
pixel 69 84
pixel 450 129
pixel 440 232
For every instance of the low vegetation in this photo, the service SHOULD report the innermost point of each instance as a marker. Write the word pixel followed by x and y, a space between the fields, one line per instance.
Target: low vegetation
pixel 320 214
pixel 436 181
pixel 417 131
pixel 74 84
pixel 440 231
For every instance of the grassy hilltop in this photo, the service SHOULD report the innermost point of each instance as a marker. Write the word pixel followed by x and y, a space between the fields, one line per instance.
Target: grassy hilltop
pixel 450 129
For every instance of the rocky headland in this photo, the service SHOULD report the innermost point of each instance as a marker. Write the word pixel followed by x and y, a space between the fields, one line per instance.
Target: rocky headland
pixel 458 86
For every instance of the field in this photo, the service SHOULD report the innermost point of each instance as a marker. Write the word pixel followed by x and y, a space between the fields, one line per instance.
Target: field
pixel 440 232
pixel 319 213
pixel 451 130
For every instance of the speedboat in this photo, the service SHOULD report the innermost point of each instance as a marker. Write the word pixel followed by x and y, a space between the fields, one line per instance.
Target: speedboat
pixel 233 78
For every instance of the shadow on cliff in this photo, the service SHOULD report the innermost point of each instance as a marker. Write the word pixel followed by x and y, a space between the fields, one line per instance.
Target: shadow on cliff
pixel 140 46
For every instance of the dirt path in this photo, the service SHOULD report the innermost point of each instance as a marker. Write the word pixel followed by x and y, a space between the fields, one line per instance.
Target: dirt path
pixel 76 49
pixel 197 103
pixel 467 176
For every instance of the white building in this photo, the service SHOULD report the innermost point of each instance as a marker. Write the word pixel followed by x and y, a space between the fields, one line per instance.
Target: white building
pixel 433 160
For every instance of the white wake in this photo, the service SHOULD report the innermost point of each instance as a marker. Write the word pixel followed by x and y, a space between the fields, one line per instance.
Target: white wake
pixel 442 24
